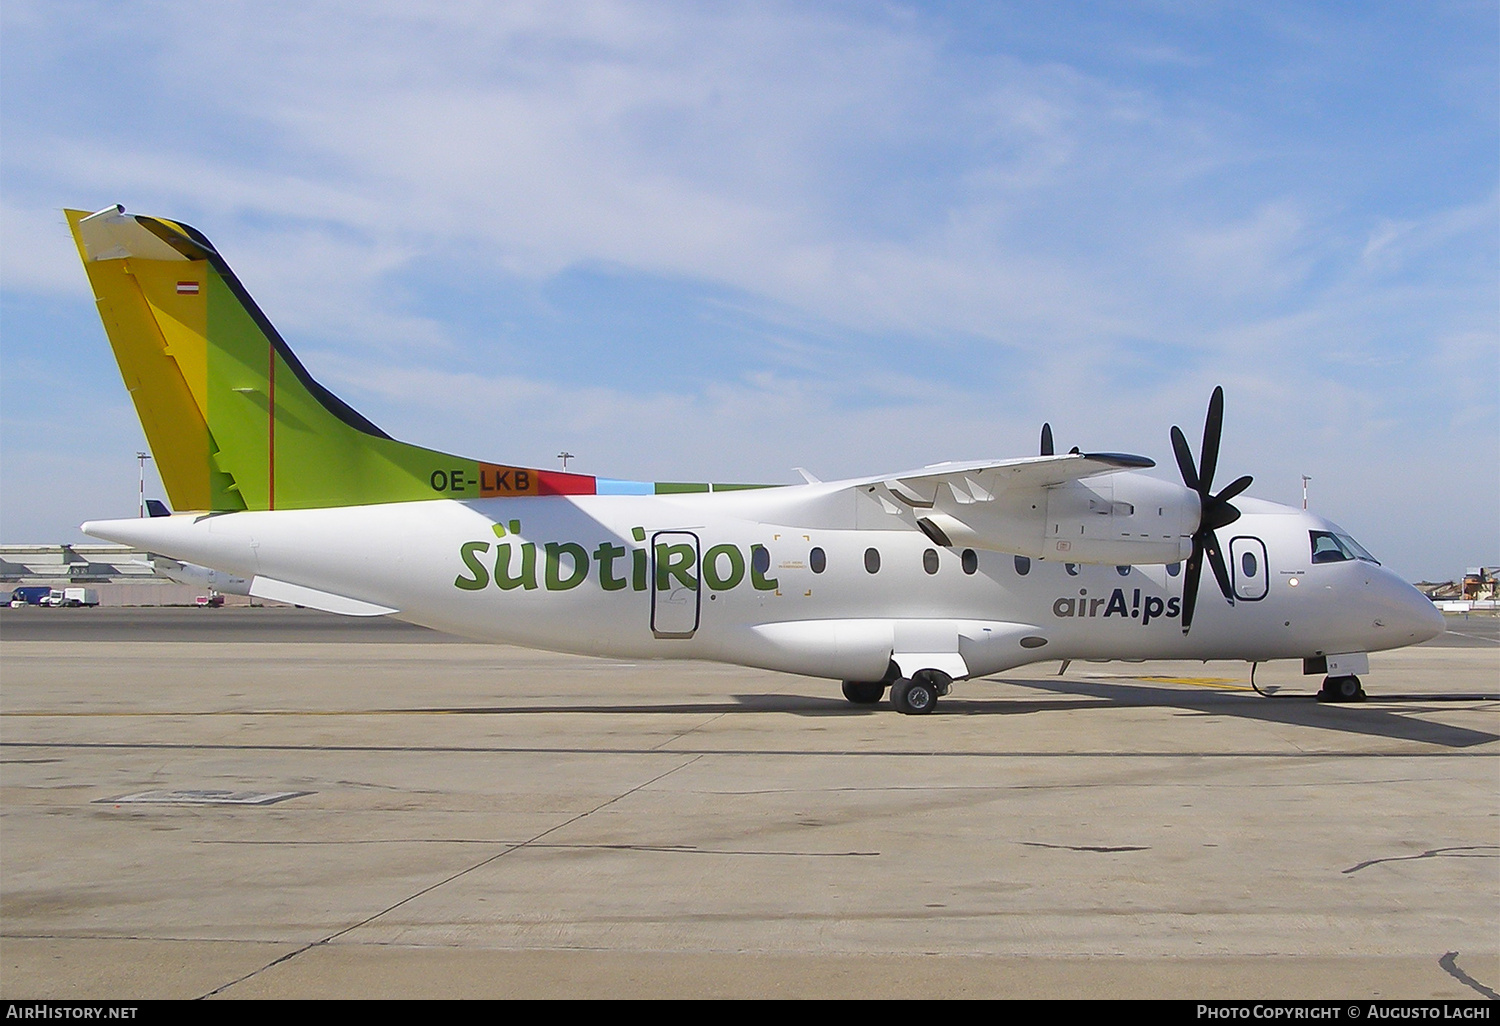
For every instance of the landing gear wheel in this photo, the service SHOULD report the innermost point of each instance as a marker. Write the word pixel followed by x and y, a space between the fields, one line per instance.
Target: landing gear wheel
pixel 1341 689
pixel 913 697
pixel 864 692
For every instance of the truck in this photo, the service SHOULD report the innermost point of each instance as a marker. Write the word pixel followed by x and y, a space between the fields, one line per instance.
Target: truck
pixel 29 595
pixel 72 597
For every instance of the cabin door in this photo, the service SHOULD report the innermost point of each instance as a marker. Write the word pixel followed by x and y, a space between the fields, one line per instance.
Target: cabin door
pixel 675 584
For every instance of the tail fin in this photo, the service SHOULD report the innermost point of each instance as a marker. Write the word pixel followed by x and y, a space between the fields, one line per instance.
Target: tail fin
pixel 233 418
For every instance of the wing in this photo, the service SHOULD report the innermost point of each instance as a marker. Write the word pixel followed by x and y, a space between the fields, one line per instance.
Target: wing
pixel 968 483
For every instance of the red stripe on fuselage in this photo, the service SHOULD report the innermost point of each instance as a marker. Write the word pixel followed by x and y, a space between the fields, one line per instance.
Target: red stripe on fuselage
pixel 550 482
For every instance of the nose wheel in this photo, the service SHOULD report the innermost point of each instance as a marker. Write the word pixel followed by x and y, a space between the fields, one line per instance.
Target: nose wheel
pixel 1341 689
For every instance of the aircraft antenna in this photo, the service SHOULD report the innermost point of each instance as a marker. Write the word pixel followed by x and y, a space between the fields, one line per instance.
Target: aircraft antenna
pixel 140 459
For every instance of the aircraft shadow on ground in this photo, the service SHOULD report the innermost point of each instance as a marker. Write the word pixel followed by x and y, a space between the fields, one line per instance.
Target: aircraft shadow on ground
pixel 1294 710
pixel 1072 696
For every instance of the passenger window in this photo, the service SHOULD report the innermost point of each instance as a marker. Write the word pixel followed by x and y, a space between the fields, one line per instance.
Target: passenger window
pixel 1248 564
pixel 872 560
pixel 970 561
pixel 1023 565
pixel 930 561
pixel 1123 571
pixel 760 559
pixel 1173 569
pixel 817 560
pixel 1071 568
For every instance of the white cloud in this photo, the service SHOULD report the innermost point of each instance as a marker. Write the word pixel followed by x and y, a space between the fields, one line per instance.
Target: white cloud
pixel 704 145
pixel 1261 256
pixel 1392 245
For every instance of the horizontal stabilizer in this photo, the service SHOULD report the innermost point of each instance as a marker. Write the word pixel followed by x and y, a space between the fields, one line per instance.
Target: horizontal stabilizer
pixel 295 594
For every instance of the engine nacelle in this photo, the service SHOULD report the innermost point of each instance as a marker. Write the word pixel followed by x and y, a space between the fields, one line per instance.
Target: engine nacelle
pixel 1120 518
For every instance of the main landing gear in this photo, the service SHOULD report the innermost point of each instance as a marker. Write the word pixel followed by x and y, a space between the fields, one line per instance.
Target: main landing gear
pixel 864 692
pixel 1345 688
pixel 915 697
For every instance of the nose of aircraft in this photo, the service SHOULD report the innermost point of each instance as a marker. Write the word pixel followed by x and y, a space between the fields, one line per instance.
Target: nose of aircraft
pixel 1406 616
pixel 1429 617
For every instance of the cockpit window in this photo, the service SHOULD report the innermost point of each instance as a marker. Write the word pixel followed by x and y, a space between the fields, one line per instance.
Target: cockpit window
pixel 1328 547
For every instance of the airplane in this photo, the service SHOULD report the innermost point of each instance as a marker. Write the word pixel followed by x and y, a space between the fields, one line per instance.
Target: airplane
pixel 903 583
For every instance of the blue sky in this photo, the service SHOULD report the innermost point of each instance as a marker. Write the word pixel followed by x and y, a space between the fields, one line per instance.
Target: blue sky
pixel 724 240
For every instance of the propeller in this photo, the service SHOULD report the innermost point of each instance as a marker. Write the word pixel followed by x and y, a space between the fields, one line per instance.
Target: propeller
pixel 1217 510
pixel 1046 449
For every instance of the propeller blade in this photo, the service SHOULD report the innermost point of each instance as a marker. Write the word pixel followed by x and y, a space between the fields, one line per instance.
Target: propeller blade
pixel 1046 439
pixel 1213 428
pixel 1216 511
pixel 1184 460
pixel 1190 575
pixel 1221 572
pixel 1234 488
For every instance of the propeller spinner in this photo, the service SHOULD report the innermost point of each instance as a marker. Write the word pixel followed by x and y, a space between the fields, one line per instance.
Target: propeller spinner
pixel 1217 510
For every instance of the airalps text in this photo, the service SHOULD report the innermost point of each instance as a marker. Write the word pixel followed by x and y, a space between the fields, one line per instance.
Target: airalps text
pixel 1153 607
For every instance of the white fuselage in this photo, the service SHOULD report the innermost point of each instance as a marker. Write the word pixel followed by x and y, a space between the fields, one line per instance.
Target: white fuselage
pixel 734 577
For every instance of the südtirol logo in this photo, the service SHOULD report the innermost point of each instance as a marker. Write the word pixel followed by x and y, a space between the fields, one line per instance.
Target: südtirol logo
pixel 511 562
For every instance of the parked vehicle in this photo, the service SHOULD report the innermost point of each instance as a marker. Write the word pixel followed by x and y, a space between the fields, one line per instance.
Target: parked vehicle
pixel 72 597
pixel 29 595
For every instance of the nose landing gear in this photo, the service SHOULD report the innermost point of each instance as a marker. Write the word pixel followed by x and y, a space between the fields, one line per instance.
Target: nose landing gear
pixel 1345 688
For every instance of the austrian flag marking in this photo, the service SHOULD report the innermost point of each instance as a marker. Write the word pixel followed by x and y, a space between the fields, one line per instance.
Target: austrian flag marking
pixel 187 288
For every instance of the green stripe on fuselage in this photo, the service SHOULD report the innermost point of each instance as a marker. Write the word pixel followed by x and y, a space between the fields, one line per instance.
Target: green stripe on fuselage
pixel 696 487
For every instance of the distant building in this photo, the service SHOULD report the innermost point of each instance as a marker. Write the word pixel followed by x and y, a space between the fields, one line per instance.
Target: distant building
pixel 38 564
pixel 1479 583
pixel 123 576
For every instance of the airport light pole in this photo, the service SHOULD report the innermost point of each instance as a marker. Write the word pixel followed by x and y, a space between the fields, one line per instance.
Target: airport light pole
pixel 140 459
pixel 565 456
pixel 1305 479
